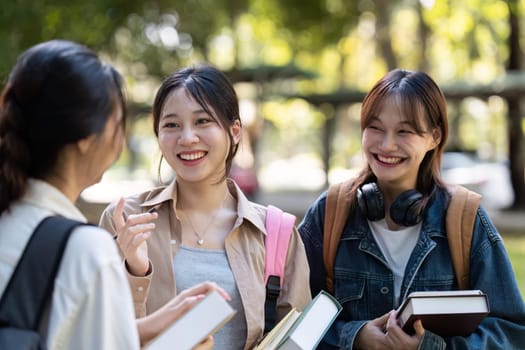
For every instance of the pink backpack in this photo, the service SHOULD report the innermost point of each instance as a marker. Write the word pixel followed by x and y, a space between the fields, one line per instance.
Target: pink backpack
pixel 279 227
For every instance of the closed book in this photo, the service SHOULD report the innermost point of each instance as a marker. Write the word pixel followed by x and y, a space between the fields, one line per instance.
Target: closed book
pixel 203 319
pixel 446 313
pixel 303 330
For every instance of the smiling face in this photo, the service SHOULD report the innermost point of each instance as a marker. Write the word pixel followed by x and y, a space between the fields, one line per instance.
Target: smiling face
pixel 394 148
pixel 192 141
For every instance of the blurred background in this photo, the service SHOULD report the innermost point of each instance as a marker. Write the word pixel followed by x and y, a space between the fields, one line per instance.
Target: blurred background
pixel 301 69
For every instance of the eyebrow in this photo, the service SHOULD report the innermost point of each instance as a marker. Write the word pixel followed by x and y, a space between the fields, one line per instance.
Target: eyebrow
pixel 175 115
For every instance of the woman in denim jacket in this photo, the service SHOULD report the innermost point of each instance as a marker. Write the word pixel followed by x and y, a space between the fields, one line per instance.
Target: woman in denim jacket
pixel 394 241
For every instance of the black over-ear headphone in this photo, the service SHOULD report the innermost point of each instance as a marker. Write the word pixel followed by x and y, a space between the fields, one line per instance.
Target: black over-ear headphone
pixel 406 209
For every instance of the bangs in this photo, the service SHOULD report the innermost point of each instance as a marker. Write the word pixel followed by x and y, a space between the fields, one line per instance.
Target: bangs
pixel 413 110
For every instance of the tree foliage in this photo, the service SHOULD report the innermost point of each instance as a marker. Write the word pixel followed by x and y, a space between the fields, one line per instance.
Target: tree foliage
pixel 347 44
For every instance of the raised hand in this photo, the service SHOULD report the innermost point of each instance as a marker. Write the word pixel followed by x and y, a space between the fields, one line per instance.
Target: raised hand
pixel 131 235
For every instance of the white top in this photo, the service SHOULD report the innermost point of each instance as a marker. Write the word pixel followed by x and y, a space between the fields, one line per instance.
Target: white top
pixel 396 247
pixel 91 306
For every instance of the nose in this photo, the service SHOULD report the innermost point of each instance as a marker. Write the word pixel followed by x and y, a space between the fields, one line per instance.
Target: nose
pixel 388 142
pixel 188 136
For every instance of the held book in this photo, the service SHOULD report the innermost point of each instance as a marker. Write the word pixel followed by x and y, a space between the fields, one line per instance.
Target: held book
pixel 446 313
pixel 303 330
pixel 205 318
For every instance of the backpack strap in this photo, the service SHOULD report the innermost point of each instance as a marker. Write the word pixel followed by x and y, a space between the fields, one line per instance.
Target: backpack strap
pixel 336 215
pixel 30 287
pixel 279 228
pixel 460 217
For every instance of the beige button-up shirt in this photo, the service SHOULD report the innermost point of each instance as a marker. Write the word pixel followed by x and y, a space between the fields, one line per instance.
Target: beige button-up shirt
pixel 245 250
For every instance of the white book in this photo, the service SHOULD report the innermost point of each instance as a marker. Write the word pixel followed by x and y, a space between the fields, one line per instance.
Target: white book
pixel 205 318
pixel 303 330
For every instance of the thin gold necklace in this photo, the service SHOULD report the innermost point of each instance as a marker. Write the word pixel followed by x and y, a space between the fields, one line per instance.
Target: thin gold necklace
pixel 200 237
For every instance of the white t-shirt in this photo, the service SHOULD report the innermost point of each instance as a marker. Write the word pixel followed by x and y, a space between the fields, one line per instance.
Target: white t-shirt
pixel 396 247
pixel 91 307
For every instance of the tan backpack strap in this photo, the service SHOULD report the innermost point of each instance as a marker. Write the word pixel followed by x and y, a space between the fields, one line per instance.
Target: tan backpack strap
pixel 461 214
pixel 336 213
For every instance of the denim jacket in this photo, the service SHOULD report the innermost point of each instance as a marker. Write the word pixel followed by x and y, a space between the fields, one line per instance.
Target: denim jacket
pixel 363 282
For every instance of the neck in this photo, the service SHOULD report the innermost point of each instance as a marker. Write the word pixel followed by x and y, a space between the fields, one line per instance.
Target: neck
pixel 61 182
pixel 201 198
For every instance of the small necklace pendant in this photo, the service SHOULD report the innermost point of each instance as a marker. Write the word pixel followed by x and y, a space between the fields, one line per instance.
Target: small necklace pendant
pixel 200 242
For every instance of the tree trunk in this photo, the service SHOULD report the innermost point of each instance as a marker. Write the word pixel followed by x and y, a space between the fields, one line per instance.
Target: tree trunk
pixel 423 32
pixel 515 132
pixel 384 40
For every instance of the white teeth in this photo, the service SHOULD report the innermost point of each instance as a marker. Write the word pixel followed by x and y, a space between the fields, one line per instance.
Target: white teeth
pixel 191 156
pixel 389 160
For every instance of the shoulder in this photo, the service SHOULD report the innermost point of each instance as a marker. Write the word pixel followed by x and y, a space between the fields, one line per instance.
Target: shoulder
pixel 93 245
pixel 90 256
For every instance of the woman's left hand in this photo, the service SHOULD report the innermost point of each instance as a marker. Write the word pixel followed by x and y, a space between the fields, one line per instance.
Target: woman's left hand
pixel 396 336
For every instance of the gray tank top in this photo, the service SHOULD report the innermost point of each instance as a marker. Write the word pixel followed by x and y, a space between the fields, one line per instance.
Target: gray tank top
pixel 194 265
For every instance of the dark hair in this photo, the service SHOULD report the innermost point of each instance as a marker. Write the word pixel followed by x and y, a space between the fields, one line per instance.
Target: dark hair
pixel 58 92
pixel 423 104
pixel 212 90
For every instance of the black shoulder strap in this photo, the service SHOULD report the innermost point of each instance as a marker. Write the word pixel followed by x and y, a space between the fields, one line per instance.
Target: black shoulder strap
pixel 32 281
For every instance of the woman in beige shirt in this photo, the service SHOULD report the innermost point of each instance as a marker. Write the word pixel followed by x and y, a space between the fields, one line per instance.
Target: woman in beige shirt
pixel 201 226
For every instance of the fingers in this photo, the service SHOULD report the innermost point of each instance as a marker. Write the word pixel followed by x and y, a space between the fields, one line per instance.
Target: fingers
pixel 418 327
pixel 396 336
pixel 118 214
pixel 206 344
pixel 391 324
pixel 205 288
pixel 381 321
pixel 121 220
pixel 133 230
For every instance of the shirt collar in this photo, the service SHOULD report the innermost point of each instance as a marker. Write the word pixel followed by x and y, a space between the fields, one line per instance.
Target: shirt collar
pixel 167 194
pixel 44 195
pixel 246 210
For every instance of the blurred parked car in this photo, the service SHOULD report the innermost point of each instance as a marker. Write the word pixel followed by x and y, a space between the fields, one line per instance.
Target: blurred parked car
pixel 490 179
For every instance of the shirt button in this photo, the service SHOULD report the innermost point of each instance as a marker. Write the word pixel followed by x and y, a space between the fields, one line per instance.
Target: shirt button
pixel 173 241
pixel 140 289
pixel 384 290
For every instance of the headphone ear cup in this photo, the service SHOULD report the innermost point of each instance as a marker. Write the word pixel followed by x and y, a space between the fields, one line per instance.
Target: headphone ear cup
pixel 406 210
pixel 370 201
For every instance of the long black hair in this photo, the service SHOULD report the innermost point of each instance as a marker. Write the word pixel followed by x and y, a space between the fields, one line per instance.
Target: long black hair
pixel 58 92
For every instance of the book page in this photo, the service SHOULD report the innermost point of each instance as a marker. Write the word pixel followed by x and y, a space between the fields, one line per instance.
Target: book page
pixel 314 321
pixel 277 333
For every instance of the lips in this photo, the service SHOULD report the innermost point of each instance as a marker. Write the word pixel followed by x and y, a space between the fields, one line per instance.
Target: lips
pixel 191 155
pixel 389 159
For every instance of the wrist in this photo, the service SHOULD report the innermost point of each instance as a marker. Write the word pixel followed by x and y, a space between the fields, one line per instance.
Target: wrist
pixel 139 271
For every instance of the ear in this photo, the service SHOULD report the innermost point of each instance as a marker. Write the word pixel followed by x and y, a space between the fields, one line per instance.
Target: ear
pixel 83 145
pixel 236 131
pixel 436 137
